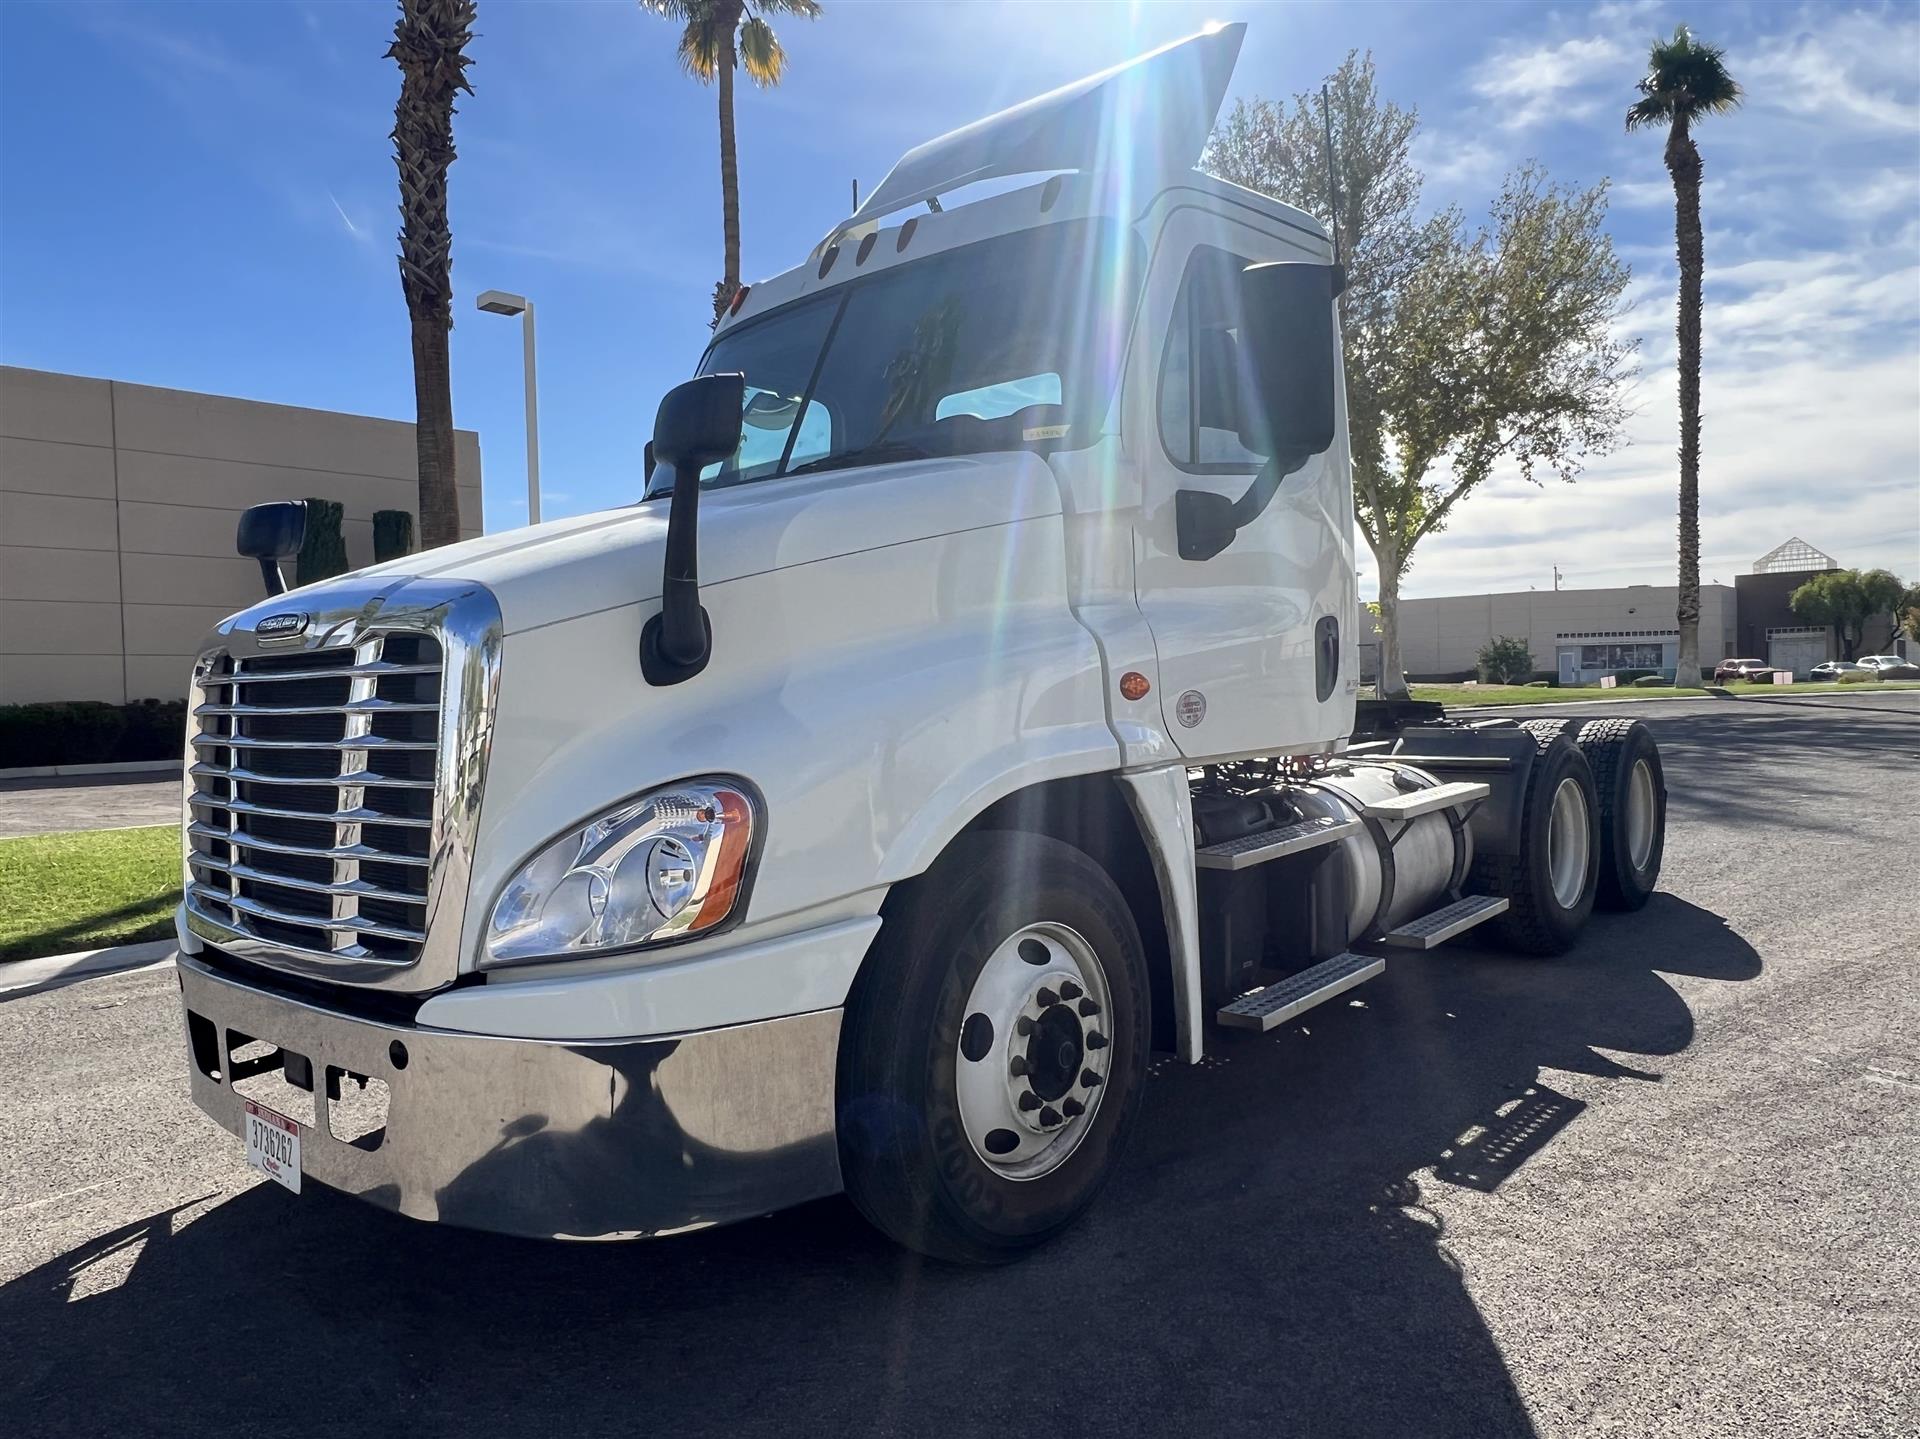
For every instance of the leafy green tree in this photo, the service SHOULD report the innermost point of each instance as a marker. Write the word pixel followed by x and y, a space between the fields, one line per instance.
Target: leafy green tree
pixel 1465 351
pixel 1849 600
pixel 429 44
pixel 1909 613
pixel 716 37
pixel 1686 82
pixel 1505 660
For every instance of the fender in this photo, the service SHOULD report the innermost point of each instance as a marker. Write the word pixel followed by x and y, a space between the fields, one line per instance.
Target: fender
pixel 1162 804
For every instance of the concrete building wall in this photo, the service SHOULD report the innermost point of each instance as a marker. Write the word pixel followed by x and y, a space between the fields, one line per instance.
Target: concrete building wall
pixel 118 505
pixel 1443 636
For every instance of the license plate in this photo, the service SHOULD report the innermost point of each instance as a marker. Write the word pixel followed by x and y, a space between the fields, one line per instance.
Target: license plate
pixel 273 1145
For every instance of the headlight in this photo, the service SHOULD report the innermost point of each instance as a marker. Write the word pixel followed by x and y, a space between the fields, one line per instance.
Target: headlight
pixel 663 866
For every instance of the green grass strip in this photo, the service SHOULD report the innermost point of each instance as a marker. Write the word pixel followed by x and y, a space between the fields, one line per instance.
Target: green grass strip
pixel 87 890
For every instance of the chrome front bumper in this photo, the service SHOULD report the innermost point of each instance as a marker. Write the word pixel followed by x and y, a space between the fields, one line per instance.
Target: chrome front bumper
pixel 591 1140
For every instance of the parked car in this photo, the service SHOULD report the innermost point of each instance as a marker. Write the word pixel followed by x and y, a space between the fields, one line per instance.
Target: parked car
pixel 1741 670
pixel 1833 669
pixel 1891 667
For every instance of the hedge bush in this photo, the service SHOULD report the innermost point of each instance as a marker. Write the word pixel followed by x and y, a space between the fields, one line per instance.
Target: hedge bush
pixel 324 553
pixel 392 535
pixel 91 732
pixel 1652 682
pixel 1857 677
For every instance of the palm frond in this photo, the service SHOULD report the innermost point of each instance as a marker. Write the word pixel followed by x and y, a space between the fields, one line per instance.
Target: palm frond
pixel 701 46
pixel 805 9
pixel 1685 79
pixel 761 54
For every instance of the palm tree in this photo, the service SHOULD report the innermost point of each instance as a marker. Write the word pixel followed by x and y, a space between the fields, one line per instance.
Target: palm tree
pixel 1685 82
pixel 429 41
pixel 717 36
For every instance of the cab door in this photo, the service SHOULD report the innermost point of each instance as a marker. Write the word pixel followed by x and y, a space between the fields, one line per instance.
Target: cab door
pixel 1257 646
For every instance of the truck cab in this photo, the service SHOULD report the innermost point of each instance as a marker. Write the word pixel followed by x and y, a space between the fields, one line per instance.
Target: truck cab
pixel 965 709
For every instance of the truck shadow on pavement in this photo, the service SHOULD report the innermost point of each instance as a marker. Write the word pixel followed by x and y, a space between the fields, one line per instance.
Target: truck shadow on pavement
pixel 1268 1260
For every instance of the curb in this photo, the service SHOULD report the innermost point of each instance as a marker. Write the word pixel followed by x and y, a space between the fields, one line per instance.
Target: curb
pixel 55 969
pixel 76 771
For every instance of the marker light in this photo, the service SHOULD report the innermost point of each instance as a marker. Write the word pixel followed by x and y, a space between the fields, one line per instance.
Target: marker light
pixel 666 865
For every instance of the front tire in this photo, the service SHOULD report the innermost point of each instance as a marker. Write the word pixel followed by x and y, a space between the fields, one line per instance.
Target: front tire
pixel 994 1049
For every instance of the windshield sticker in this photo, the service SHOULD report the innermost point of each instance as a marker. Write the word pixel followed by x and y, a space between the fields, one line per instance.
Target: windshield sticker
pixel 1045 432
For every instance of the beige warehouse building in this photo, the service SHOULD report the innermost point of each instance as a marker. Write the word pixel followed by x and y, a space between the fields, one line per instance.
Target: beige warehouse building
pixel 1574 635
pixel 118 505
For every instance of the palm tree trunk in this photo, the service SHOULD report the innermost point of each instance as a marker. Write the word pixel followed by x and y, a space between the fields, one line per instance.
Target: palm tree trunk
pixel 429 43
pixel 433 433
pixel 729 169
pixel 1683 163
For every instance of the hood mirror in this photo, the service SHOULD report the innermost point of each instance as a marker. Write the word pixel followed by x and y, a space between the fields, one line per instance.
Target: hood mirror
pixel 698 425
pixel 272 533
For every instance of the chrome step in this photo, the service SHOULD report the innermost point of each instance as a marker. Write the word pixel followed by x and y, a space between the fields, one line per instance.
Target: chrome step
pixel 1415 803
pixel 1251 849
pixel 1277 1003
pixel 1444 923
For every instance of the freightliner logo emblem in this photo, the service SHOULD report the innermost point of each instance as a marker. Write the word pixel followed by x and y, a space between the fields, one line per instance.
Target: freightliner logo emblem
pixel 281 627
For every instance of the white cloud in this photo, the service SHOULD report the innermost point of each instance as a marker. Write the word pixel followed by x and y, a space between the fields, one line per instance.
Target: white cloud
pixel 1529 86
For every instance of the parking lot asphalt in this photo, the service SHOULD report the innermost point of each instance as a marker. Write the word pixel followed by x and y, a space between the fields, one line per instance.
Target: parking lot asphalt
pixel 50 805
pixel 1663 1185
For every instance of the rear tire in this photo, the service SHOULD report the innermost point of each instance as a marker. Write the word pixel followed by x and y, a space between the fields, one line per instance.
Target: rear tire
pixel 1632 790
pixel 1549 885
pixel 940 995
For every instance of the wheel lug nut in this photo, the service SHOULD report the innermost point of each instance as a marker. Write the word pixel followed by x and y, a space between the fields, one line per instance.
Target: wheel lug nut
pixel 1070 990
pixel 1096 1040
pixel 1046 998
pixel 1088 1009
pixel 1049 1116
pixel 1017 1066
pixel 1029 1102
pixel 1073 1108
pixel 1023 1026
pixel 1088 1079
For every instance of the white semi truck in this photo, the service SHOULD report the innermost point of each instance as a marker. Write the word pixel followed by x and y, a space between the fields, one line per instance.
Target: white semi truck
pixel 967 710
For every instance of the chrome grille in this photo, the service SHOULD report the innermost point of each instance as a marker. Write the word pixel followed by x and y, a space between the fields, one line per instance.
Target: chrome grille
pixel 314 785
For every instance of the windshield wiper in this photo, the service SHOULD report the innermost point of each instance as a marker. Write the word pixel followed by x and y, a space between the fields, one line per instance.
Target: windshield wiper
pixel 870 455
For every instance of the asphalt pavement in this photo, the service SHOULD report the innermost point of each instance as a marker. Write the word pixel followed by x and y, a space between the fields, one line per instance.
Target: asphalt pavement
pixel 52 804
pixel 1664 1185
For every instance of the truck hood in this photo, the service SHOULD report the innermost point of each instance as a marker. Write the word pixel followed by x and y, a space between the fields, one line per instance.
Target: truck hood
pixel 565 568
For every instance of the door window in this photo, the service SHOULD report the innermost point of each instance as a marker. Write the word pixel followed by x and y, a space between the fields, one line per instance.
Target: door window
pixel 1203 388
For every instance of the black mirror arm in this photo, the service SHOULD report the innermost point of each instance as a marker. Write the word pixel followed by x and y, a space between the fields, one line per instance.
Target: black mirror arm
pixel 1250 506
pixel 677 642
pixel 271 577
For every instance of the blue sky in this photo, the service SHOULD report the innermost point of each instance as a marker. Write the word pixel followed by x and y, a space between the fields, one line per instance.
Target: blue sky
pixel 202 196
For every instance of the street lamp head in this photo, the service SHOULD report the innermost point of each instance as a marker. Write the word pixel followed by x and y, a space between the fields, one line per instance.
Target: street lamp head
pixel 500 302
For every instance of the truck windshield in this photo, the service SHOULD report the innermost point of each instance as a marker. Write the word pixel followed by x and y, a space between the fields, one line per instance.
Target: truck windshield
pixel 1007 344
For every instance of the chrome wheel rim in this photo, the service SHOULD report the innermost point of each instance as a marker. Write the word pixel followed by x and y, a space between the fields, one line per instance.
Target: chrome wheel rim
pixel 1569 841
pixel 1034 1051
pixel 1641 808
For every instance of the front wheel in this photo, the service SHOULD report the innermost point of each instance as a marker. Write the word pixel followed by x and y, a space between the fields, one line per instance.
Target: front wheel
pixel 994 1049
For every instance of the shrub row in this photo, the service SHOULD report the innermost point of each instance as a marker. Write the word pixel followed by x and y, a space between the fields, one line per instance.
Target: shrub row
pixel 91 732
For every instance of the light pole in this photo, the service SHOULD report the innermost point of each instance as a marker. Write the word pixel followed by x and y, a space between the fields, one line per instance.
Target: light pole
pixel 499 302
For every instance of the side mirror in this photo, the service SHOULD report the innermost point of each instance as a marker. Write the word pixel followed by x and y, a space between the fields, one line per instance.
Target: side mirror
pixel 698 425
pixel 1287 344
pixel 271 533
pixel 1280 375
